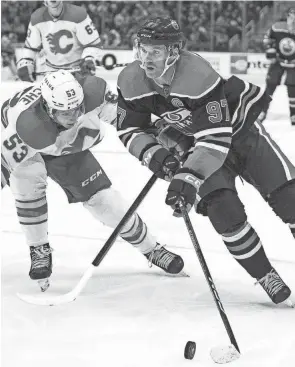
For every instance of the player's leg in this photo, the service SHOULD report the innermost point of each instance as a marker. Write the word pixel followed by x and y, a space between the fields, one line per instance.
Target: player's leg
pixel 271 172
pixel 28 184
pixel 84 180
pixel 291 95
pixel 273 79
pixel 227 215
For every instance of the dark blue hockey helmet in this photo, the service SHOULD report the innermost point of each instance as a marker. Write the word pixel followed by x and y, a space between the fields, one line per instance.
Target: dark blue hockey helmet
pixel 161 31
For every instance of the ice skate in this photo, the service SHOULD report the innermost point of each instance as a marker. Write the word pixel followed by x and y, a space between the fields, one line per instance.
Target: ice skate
pixel 275 287
pixel 164 259
pixel 41 265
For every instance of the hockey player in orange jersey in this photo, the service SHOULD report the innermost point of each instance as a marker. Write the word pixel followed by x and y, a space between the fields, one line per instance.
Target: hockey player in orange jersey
pixel 67 37
pixel 49 129
pixel 214 119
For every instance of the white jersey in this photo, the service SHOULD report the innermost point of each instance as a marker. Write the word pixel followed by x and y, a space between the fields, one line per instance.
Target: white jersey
pixel 30 130
pixel 65 40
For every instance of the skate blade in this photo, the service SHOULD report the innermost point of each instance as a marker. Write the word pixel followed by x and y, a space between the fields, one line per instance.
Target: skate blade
pixel 43 284
pixel 224 354
pixel 289 303
pixel 181 274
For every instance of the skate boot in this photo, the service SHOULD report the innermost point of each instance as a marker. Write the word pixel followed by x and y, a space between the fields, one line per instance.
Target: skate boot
pixel 275 287
pixel 41 265
pixel 164 259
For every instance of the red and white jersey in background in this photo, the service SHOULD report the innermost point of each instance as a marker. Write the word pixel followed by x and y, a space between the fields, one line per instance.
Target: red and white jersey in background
pixel 65 40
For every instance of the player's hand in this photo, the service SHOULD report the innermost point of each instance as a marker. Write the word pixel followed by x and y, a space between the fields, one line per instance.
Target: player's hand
pixel 26 70
pixel 183 187
pixel 160 161
pixel 287 63
pixel 175 141
pixel 88 66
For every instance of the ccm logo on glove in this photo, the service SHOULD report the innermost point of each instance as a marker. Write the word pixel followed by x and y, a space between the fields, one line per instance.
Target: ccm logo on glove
pixel 194 181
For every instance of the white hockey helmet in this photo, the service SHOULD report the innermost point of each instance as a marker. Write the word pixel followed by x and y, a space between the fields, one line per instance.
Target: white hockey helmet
pixel 61 92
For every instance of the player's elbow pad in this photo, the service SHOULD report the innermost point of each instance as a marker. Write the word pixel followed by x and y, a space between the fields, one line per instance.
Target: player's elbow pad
pixel 271 53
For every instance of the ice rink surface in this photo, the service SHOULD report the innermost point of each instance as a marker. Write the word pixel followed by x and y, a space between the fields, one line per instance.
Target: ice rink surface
pixel 130 315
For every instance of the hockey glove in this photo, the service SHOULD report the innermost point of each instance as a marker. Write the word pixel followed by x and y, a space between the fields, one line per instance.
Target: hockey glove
pixel 175 141
pixel 183 187
pixel 160 161
pixel 289 64
pixel 26 70
pixel 88 66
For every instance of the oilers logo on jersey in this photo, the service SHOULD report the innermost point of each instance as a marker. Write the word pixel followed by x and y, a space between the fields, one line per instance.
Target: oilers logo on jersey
pixel 287 46
pixel 180 118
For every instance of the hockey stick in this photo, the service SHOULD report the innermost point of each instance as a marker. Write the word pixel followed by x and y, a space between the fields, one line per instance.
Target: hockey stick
pixel 74 293
pixel 74 70
pixel 111 67
pixel 218 354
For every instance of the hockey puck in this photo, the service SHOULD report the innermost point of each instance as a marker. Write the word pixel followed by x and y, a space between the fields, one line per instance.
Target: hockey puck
pixel 189 350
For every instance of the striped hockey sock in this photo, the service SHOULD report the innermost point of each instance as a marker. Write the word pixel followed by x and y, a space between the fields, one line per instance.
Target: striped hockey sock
pixel 33 217
pixel 245 246
pixel 138 235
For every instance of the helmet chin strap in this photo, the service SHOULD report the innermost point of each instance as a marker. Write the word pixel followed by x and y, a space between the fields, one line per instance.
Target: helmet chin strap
pixel 167 65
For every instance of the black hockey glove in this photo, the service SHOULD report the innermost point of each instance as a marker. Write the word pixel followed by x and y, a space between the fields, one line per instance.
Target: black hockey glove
pixel 88 66
pixel 175 141
pixel 160 161
pixel 184 186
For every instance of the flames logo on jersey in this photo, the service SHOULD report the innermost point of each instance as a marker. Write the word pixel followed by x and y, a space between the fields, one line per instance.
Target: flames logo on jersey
pixel 287 46
pixel 54 42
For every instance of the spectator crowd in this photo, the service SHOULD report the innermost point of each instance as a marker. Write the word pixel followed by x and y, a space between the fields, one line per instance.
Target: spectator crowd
pixel 208 26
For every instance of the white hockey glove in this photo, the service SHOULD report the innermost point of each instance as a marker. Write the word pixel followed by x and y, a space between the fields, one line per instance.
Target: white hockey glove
pixel 26 70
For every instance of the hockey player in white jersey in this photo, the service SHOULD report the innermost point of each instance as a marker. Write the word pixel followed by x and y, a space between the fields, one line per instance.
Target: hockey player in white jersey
pixel 48 130
pixel 67 37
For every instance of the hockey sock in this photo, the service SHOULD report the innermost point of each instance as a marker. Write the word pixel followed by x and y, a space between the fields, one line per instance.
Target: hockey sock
pixel 137 233
pixel 245 246
pixel 33 216
pixel 291 95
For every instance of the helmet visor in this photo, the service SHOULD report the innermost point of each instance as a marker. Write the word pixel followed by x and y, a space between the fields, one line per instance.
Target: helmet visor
pixel 69 118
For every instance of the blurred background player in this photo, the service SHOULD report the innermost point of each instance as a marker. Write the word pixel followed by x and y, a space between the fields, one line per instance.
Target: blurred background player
pixel 8 67
pixel 67 37
pixel 280 50
pixel 218 117
pixel 48 132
